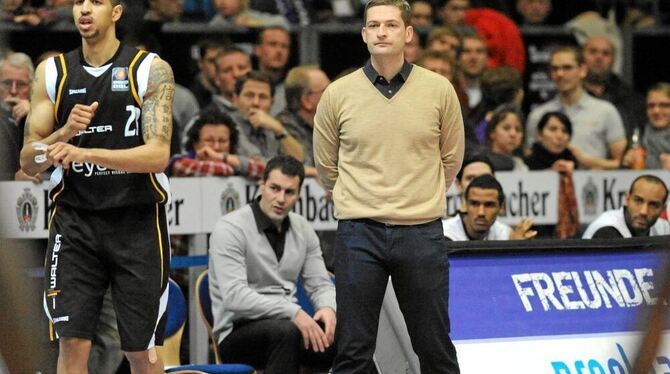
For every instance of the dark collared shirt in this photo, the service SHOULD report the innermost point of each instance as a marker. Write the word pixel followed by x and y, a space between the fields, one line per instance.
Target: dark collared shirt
pixel 277 238
pixel 387 88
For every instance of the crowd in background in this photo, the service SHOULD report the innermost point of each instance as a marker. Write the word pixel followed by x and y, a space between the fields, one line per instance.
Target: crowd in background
pixel 247 103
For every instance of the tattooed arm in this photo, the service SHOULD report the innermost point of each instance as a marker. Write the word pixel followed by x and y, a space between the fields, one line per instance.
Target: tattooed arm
pixel 154 154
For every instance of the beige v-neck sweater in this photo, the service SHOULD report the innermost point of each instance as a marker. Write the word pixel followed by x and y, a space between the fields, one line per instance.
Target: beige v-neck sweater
pixel 389 160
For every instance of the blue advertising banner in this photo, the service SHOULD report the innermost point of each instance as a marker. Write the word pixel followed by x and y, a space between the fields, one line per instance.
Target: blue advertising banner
pixel 532 294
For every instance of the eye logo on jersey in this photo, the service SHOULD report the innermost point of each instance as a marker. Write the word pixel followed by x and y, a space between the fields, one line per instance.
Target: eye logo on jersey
pixel 26 210
pixel 120 79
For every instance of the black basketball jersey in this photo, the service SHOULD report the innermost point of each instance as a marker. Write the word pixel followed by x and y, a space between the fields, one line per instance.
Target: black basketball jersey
pixel 118 86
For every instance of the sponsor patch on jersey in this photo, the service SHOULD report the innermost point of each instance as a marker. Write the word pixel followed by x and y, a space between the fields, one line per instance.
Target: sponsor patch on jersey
pixel 120 79
pixel 77 91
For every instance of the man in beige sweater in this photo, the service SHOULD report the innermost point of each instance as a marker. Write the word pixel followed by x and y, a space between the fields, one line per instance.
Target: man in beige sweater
pixel 388 141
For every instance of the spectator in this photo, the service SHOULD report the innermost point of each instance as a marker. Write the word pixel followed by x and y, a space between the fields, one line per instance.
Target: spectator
pixel 304 86
pixel 484 200
pixel 272 50
pixel 504 44
pixel 232 63
pixel 452 12
pixel 162 11
pixel 237 13
pixel 603 83
pixel 263 136
pixel 212 150
pixel 444 39
pixel 473 59
pixel 413 49
pixel 204 84
pixel 256 255
pixel 444 64
pixel 639 217
pixel 599 137
pixel 551 152
pixel 499 86
pixel 16 73
pixel 656 137
pixel 54 12
pixel 532 12
pixel 473 166
pixel 504 136
pixel 296 12
pixel 422 13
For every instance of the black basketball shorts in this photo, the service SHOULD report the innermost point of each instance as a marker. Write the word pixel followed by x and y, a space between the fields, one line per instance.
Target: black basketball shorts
pixel 89 251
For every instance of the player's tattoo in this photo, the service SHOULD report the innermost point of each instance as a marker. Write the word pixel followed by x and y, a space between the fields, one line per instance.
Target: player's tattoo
pixel 157 107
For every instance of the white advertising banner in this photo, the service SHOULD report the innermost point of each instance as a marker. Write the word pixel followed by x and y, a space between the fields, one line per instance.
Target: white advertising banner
pixel 579 354
pixel 599 191
pixel 184 212
pixel 527 194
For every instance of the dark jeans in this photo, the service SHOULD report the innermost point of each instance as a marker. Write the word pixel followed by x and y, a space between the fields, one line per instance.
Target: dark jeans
pixel 273 344
pixel 366 254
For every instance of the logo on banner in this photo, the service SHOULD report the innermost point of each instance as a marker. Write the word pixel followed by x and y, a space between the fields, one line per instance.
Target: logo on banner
pixel 590 197
pixel 26 210
pixel 230 200
pixel 120 79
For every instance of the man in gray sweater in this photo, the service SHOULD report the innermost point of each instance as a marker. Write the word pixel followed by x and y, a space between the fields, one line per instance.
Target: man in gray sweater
pixel 256 255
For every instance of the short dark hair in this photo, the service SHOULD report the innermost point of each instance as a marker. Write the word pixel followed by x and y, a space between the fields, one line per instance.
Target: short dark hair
pixel 255 75
pixel 499 85
pixel 402 5
pixel 651 179
pixel 287 165
pixel 486 182
pixel 471 159
pixel 211 117
pixel 561 117
pixel 259 37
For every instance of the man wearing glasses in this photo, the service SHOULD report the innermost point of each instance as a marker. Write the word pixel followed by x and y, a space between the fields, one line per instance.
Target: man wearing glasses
pixel 598 138
pixel 16 73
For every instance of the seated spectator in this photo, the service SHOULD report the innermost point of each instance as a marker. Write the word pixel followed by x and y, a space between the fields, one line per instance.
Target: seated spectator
pixel 444 39
pixel 204 83
pixel 422 13
pixel 443 63
pixel 304 86
pixel 53 13
pixel 484 200
pixel 296 12
pixel 211 150
pixel 413 48
pixel 499 86
pixel 504 135
pixel 532 12
pixel 161 11
pixel 256 255
pixel 452 12
pixel 473 59
pixel 272 52
pixel 602 82
pixel 503 39
pixel 656 137
pixel 599 138
pixel 551 152
pixel 237 13
pixel 639 217
pixel 473 166
pixel 231 64
pixel 261 135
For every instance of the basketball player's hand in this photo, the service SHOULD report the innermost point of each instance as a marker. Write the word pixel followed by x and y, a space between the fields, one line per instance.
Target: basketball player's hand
pixel 78 120
pixel 522 231
pixel 312 335
pixel 63 154
pixel 327 317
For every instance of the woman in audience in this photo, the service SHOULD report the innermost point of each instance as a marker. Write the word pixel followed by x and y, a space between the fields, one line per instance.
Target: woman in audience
pixel 504 135
pixel 656 138
pixel 210 150
pixel 551 152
